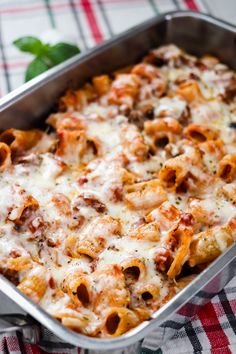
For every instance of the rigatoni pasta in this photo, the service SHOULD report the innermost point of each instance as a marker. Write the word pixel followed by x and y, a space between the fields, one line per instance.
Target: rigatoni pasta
pixel 131 193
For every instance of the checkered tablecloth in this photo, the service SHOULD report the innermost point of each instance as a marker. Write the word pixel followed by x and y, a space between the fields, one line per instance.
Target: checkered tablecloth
pixel 89 22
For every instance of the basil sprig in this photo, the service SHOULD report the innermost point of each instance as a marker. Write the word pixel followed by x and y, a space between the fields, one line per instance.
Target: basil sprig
pixel 46 55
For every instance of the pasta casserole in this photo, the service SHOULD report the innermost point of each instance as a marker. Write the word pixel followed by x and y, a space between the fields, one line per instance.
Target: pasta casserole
pixel 127 196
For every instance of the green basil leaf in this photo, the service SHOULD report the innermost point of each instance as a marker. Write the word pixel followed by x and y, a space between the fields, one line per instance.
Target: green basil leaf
pixel 61 52
pixel 31 45
pixel 36 67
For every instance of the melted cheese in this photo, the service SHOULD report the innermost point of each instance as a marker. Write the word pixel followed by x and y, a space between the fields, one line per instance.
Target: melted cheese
pixel 74 202
pixel 171 107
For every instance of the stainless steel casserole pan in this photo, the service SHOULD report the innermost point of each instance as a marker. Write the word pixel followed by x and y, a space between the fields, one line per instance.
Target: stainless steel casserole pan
pixel 27 106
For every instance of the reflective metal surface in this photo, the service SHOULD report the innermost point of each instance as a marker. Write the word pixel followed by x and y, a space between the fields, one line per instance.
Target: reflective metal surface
pixel 27 106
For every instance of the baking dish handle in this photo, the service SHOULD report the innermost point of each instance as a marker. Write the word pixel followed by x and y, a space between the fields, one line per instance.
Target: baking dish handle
pixel 25 325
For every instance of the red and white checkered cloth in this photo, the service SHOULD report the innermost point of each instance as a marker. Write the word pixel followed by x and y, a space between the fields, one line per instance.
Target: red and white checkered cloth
pixel 89 22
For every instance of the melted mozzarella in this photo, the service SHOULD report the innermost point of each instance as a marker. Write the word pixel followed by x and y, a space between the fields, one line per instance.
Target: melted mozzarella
pixel 107 133
pixel 173 107
pixel 71 201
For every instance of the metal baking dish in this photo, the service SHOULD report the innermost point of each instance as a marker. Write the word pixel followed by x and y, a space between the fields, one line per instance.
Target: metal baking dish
pixel 27 106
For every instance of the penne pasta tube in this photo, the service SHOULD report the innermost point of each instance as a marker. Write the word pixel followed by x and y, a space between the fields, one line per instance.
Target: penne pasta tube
pixel 209 244
pixel 134 270
pixel 19 263
pixel 79 289
pixel 76 323
pixel 183 238
pixel 165 215
pixel 168 125
pixel 174 172
pixel 190 91
pixel 34 284
pixel 228 191
pixel 199 133
pixel 145 195
pixel 183 173
pixel 149 231
pixel 162 132
pixel 5 156
pixel 143 313
pixel 91 248
pixel 65 121
pixel 153 75
pixel 21 212
pixel 20 140
pixel 94 237
pixel 101 84
pixel 72 145
pixel 133 142
pixel 124 90
pixel 110 288
pixel 118 320
pixel 77 100
pixel 148 293
pixel 146 71
pixel 227 168
pixel 209 61
pixel 212 152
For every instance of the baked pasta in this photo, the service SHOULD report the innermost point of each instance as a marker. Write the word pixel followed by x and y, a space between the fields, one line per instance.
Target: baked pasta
pixel 129 194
